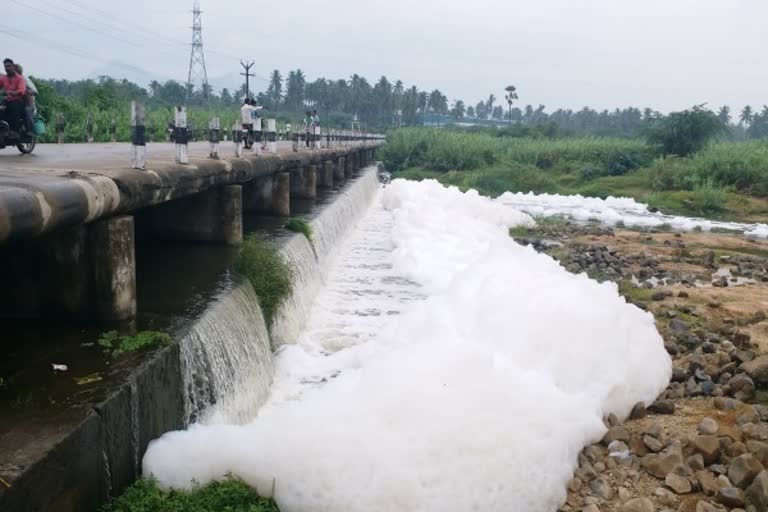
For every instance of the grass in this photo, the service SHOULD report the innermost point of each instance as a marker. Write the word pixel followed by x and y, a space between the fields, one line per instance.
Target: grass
pixel 116 345
pixel 268 272
pixel 726 181
pixel 298 225
pixel 228 496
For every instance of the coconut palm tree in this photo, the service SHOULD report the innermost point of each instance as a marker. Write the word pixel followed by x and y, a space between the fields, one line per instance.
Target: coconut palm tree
pixel 510 96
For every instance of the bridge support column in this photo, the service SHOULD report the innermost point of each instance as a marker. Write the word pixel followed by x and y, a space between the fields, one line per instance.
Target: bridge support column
pixel 257 195
pixel 113 260
pixel 339 171
pixel 325 178
pixel 303 182
pixel 215 215
pixel 348 166
pixel 310 182
pixel 281 194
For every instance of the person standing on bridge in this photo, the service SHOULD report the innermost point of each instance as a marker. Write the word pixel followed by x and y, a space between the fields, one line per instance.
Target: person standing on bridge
pixel 15 89
pixel 29 99
pixel 307 126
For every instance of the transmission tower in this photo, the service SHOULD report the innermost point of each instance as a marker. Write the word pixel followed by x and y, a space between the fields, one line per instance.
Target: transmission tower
pixel 197 72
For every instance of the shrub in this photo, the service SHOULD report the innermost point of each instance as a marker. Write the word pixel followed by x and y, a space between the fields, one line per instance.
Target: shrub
pixel 299 226
pixel 684 133
pixel 708 198
pixel 268 272
pixel 230 495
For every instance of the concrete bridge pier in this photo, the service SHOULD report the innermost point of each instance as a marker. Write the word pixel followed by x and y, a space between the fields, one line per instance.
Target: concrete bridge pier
pixel 303 182
pixel 348 170
pixel 215 215
pixel 83 271
pixel 325 176
pixel 269 195
pixel 281 195
pixel 340 171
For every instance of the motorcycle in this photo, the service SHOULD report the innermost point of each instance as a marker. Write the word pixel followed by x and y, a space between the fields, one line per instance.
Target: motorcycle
pixel 24 140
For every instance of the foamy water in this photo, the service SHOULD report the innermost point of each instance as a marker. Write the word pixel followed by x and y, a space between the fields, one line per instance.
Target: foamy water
pixel 444 368
pixel 615 210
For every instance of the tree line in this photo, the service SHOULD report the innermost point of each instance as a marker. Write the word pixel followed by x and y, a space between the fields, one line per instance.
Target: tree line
pixel 380 105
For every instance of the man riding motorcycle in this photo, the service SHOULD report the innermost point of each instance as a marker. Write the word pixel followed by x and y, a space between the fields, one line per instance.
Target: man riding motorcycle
pixel 15 88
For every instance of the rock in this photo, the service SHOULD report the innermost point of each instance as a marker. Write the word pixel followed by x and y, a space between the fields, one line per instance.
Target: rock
pixel 639 505
pixel 748 415
pixel 708 447
pixel 574 485
pixel 757 493
pixel 705 506
pixel 735 449
pixel 637 446
pixel 638 411
pixel 662 407
pixel 660 465
pixel 759 450
pixel 623 494
pixel 741 387
pixel 658 296
pixel 653 444
pixel 708 427
pixel 677 483
pixel 602 488
pixel 707 482
pixel 744 469
pixel 731 497
pixel 696 462
pixel 677 326
pixel 591 508
pixel 617 433
pixel 666 498
pixel 757 370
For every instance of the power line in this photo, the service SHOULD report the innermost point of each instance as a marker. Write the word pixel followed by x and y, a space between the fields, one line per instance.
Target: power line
pixel 37 40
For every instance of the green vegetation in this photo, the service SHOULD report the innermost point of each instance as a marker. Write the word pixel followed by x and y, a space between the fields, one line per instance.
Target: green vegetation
pixel 298 225
pixel 723 180
pixel 268 272
pixel 684 133
pixel 116 345
pixel 228 496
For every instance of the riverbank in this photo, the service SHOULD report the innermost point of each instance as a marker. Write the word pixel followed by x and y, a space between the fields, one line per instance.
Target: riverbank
pixel 703 445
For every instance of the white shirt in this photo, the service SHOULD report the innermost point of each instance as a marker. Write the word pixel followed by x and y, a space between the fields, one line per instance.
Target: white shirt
pixel 246 116
pixel 30 86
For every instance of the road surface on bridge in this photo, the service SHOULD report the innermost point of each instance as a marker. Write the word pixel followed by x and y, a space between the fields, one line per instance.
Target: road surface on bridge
pixel 105 157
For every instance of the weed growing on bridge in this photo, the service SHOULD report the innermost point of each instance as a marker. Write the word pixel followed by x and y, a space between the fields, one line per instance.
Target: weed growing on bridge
pixel 268 272
pixel 117 345
pixel 299 226
pixel 230 495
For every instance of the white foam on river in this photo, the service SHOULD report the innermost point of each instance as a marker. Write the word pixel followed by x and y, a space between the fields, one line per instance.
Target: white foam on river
pixel 444 368
pixel 614 210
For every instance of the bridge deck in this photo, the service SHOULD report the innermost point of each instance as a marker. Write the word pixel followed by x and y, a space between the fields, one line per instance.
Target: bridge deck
pixel 68 184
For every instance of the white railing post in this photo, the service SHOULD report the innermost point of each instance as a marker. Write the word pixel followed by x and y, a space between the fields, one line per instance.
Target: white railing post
pixel 181 135
pixel 138 136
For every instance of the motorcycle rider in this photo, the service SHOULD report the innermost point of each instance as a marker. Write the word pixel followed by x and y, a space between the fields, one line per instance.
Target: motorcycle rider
pixel 15 90
pixel 30 98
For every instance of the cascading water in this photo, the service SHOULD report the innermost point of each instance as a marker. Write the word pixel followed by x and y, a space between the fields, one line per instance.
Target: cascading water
pixel 226 357
pixel 226 360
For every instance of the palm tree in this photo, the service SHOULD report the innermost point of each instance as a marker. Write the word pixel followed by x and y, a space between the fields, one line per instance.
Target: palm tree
pixel 746 115
pixel 724 114
pixel 510 96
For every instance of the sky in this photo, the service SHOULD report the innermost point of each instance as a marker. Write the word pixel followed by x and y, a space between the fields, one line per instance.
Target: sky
pixel 663 54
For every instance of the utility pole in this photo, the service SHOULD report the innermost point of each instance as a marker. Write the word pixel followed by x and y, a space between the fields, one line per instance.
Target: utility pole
pixel 197 71
pixel 247 66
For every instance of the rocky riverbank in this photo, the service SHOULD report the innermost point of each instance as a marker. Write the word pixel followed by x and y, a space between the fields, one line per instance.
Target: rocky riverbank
pixel 703 445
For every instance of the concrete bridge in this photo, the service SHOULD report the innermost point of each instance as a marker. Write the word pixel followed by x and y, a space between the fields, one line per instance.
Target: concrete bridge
pixel 69 213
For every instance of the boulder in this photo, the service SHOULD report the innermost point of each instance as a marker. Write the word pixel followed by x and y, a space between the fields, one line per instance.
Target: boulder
pixel 743 470
pixel 708 447
pixel 639 505
pixel 731 497
pixel 708 427
pixel 757 493
pixel 757 369
pixel 662 464
pixel 679 484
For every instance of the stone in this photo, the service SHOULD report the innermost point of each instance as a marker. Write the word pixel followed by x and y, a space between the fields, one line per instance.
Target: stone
pixel 638 411
pixel 653 444
pixel 660 465
pixel 591 508
pixel 665 497
pixel 757 370
pixel 708 447
pixel 731 497
pixel 602 488
pixel 662 407
pixel 708 427
pixel 637 446
pixel 759 450
pixel 678 326
pixel 677 483
pixel 696 462
pixel 705 506
pixel 658 296
pixel 575 484
pixel 707 482
pixel 735 449
pixel 757 493
pixel 617 433
pixel 744 469
pixel 639 505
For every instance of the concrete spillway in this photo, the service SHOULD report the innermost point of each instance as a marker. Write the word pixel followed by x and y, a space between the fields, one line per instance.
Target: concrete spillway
pixel 97 451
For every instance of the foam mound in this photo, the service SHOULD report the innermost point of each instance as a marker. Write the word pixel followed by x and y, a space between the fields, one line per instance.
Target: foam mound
pixel 477 397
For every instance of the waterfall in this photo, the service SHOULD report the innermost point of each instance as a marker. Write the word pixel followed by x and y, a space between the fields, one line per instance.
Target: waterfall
pixel 310 262
pixel 226 360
